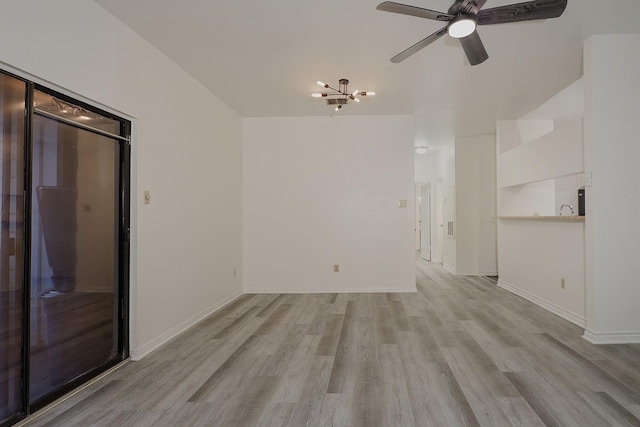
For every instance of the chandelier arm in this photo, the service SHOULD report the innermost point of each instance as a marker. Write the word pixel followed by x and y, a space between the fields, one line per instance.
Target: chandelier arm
pixel 338 94
pixel 338 91
pixel 335 90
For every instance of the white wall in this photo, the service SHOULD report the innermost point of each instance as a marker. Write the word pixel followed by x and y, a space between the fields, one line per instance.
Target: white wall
pixel 538 198
pixel 447 165
pixel 476 251
pixel 612 151
pixel 187 150
pixel 534 257
pixel 320 191
pixel 427 167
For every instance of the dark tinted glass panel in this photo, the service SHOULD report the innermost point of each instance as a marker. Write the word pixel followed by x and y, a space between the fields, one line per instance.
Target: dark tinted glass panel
pixel 12 95
pixel 74 252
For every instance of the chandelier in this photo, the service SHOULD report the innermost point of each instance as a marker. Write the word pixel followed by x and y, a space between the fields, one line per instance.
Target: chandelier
pixel 340 96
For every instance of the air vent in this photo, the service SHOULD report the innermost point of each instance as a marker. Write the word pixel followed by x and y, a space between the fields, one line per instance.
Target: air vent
pixel 338 101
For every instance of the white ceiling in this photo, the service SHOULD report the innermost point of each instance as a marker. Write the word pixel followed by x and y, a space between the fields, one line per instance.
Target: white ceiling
pixel 263 57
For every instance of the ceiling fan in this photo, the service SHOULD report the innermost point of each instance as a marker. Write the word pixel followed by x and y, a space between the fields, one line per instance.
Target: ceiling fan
pixel 465 15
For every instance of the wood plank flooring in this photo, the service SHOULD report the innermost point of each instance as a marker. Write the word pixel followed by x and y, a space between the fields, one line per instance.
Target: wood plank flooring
pixel 459 352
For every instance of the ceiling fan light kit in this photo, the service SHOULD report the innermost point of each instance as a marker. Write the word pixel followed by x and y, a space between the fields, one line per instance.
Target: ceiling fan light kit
pixel 340 96
pixel 461 26
pixel 465 15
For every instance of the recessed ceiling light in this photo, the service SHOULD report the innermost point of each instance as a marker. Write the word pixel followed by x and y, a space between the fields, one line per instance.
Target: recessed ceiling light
pixel 422 149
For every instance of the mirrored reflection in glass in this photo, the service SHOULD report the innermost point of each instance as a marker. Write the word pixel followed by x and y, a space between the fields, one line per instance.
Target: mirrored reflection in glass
pixel 74 253
pixel 12 95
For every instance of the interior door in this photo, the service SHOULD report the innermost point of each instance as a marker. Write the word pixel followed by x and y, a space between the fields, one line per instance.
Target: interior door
pixel 439 221
pixel 425 222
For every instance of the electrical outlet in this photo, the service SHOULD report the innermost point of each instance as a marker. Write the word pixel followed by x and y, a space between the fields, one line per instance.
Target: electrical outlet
pixel 562 282
pixel 336 268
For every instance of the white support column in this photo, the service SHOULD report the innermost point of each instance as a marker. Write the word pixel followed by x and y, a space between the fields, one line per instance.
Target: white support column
pixel 612 153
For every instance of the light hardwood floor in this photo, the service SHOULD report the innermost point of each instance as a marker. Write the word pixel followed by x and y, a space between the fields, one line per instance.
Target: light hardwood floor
pixel 459 352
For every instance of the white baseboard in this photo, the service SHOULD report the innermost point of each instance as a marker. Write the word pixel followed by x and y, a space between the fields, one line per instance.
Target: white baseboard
pixel 565 314
pixel 611 337
pixel 403 290
pixel 450 269
pixel 490 273
pixel 145 349
pixel 468 273
pixel 464 273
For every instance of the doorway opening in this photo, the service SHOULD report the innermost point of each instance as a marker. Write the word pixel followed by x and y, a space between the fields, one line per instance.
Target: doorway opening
pixel 424 220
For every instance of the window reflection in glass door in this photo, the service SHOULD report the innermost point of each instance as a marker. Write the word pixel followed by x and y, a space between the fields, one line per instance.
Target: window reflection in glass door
pixel 74 247
pixel 12 136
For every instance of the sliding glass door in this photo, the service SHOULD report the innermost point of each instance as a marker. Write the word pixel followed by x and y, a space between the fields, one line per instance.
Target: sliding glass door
pixel 74 245
pixel 64 290
pixel 12 134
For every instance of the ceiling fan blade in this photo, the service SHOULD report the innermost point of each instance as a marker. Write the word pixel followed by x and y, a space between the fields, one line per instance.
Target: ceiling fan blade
pixel 480 3
pixel 416 47
pixel 466 6
pixel 405 9
pixel 538 9
pixel 473 47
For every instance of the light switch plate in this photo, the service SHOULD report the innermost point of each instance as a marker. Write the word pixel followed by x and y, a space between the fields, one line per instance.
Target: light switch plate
pixel 402 204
